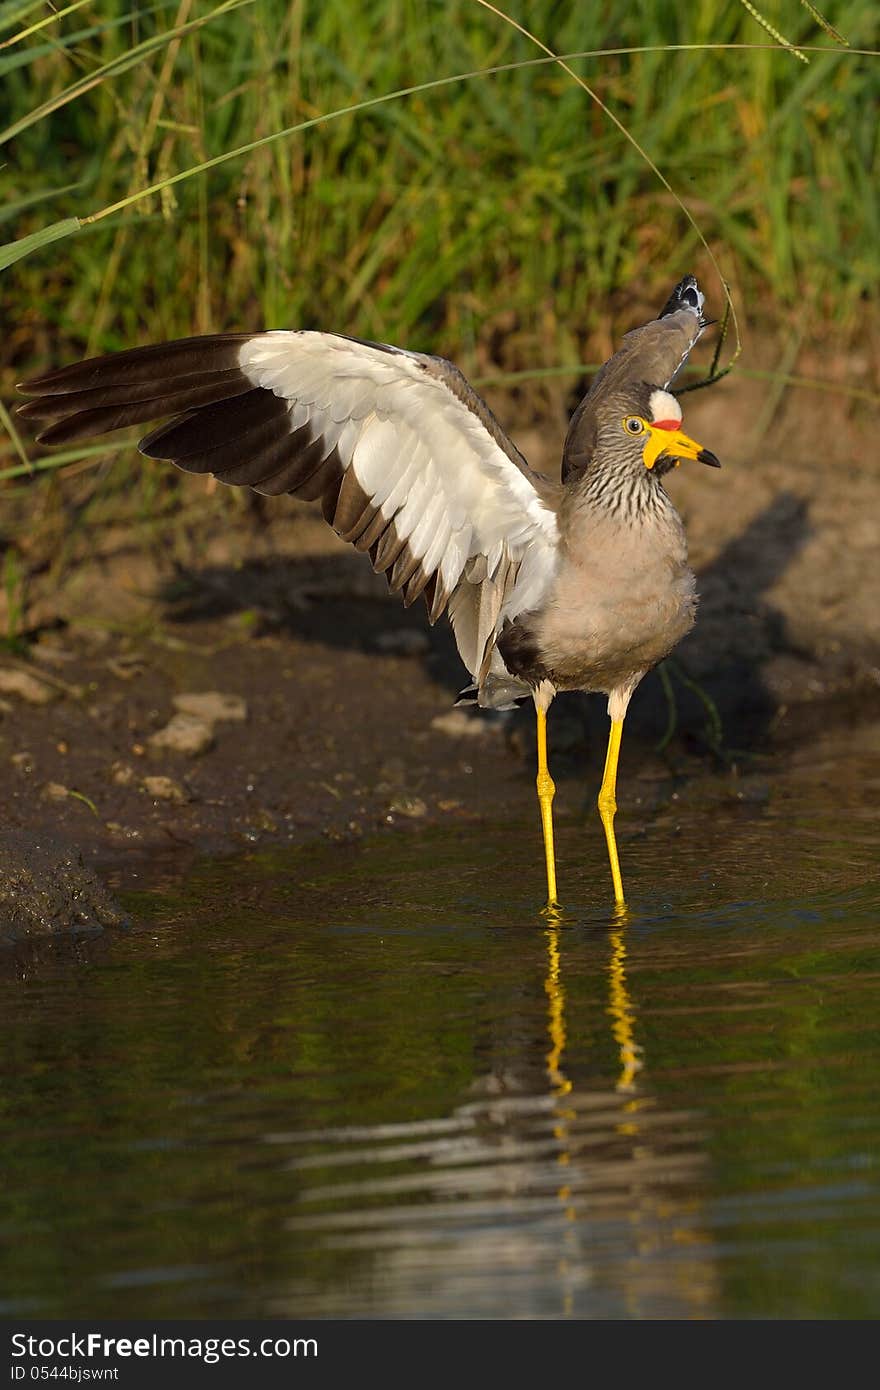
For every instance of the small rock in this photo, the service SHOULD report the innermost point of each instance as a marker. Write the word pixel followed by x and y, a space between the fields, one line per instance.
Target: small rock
pixel 165 789
pixel 211 705
pixel 122 774
pixel 24 762
pixel 127 831
pixel 185 733
pixel 413 807
pixel 56 791
pixel 25 686
pixel 457 723
pixel 126 667
pixel 402 641
pixel 51 653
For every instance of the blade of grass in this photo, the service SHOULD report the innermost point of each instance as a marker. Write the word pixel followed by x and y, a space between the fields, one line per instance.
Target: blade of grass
pixel 52 464
pixel 11 11
pixel 54 18
pixel 823 22
pixel 11 62
pixel 14 250
pixel 773 31
pixel 114 68
pixel 9 423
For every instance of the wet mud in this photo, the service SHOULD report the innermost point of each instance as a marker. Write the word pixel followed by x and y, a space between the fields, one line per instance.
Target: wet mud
pixel 47 890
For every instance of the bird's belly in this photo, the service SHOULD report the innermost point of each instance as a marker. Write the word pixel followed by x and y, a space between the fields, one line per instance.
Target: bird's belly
pixel 593 644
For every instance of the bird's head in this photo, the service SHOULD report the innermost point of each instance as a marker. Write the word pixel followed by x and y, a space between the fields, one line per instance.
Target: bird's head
pixel 629 423
pixel 643 427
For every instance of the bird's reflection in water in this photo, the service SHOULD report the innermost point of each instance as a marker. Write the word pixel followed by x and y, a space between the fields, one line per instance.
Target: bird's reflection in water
pixel 621 1011
pixel 556 1011
pixel 560 1087
pixel 557 1189
pixel 628 1181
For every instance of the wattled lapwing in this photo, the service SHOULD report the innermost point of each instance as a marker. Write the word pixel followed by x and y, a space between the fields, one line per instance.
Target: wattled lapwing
pixel 581 584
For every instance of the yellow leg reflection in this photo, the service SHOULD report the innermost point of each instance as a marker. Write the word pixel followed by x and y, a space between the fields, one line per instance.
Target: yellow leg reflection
pixel 615 1139
pixel 546 791
pixel 555 1015
pixel 563 1115
pixel 621 1010
pixel 608 805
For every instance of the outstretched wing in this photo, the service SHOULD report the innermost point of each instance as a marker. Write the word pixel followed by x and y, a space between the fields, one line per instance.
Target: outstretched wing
pixel 407 460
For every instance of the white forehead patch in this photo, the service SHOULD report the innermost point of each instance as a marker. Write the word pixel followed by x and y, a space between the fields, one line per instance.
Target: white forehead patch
pixel 664 406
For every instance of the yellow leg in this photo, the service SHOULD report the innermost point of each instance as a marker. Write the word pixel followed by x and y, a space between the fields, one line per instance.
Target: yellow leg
pixel 608 805
pixel 546 791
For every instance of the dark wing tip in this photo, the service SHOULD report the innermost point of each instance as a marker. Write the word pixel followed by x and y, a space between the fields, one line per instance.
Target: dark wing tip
pixel 686 295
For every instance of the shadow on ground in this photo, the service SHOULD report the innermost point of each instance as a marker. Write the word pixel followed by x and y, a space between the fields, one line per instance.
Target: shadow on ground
pixel 337 601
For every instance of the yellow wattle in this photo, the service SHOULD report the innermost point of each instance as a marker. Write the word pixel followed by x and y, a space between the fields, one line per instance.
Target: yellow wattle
pixel 654 446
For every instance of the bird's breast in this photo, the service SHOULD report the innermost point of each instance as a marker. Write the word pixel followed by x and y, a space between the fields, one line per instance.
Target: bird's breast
pixel 622 598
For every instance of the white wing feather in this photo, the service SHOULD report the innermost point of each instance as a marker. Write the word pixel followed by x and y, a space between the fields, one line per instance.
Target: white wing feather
pixel 421 454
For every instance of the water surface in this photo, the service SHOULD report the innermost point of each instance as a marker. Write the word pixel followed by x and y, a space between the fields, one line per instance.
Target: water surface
pixel 371 1081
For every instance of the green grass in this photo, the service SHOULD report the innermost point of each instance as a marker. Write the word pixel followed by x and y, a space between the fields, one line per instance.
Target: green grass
pixel 502 219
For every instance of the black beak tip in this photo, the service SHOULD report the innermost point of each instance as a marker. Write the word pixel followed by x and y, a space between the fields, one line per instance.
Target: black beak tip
pixel 704 456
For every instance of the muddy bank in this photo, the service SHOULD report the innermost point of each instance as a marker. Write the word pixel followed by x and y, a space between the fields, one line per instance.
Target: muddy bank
pixel 47 890
pixel 219 731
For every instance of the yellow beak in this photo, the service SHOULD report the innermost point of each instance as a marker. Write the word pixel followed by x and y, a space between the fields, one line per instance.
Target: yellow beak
pixel 676 446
